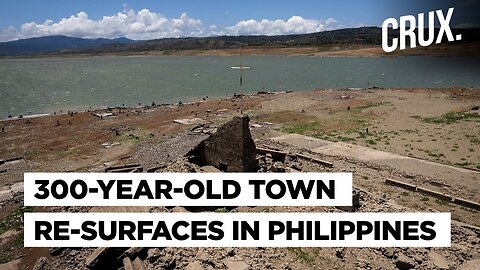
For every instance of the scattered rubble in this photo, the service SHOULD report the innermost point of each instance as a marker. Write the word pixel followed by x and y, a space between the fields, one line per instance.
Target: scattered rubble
pixel 125 168
pixel 13 191
pixel 268 158
pixel 205 129
pixel 41 264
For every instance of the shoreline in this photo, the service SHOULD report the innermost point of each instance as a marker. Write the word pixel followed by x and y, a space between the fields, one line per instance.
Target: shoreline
pixel 215 98
pixel 467 49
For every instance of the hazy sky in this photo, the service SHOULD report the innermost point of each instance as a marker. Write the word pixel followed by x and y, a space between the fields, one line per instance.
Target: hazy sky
pixel 149 19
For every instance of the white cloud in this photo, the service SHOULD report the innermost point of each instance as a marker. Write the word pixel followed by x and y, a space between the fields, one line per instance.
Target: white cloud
pixel 9 33
pixel 145 24
pixel 294 25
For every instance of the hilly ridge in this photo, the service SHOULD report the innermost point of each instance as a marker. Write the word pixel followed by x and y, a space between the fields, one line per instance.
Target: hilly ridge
pixel 43 45
pixel 61 45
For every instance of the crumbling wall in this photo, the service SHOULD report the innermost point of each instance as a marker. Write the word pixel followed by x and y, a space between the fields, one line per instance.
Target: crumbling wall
pixel 230 149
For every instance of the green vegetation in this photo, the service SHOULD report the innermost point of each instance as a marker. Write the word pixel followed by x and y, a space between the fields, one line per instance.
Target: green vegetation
pixel 371 105
pixel 303 128
pixel 132 137
pixel 473 139
pixel 222 210
pixel 302 255
pixel 348 122
pixel 464 164
pixel 13 222
pixel 441 202
pixel 450 118
pixel 324 40
pixel 411 131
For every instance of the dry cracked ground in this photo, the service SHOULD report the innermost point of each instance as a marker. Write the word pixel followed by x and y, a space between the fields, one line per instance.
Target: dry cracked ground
pixel 425 137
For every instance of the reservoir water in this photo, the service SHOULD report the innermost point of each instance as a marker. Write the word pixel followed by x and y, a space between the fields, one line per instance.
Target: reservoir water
pixel 45 85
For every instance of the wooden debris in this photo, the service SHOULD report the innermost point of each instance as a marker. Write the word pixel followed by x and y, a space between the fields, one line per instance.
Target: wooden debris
pixel 122 168
pixel 139 169
pixel 438 183
pixel 436 194
pixel 275 153
pixel 154 169
pixel 316 160
pixel 401 184
pixel 126 170
pixel 467 203
pixel 466 225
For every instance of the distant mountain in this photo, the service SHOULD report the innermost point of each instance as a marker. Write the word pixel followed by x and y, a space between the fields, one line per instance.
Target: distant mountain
pixel 362 35
pixel 43 45
pixel 60 45
pixel 348 36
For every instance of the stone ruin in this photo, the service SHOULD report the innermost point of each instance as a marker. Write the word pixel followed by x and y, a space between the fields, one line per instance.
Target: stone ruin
pixel 230 149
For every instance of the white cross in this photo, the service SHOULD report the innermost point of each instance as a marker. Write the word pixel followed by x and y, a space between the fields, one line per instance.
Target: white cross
pixel 241 68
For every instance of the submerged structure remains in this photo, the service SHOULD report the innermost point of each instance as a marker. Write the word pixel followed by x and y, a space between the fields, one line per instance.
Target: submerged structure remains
pixel 230 149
